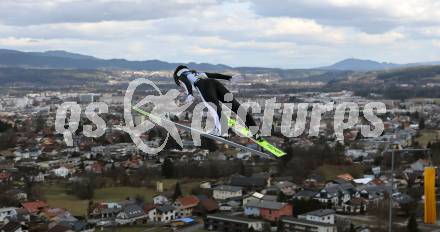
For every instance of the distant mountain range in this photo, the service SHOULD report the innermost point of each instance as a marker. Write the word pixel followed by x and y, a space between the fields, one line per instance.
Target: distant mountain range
pixel 64 54
pixel 28 67
pixel 61 69
pixel 370 65
pixel 66 60
pixel 360 65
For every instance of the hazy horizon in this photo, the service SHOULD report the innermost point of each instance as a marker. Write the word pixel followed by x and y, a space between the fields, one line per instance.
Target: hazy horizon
pixel 190 61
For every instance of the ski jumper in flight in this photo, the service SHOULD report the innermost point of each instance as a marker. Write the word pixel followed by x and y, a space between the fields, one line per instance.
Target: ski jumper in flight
pixel 211 91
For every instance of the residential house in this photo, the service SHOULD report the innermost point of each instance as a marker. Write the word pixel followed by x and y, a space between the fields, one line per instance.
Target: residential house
pixel 223 192
pixel 185 205
pixel 206 206
pixel 32 153
pixel 73 161
pixel 271 190
pixel 160 200
pixel 37 178
pixel 150 210
pixel 230 206
pixel 291 224
pixel 357 205
pixel 269 210
pixel 7 213
pixel 5 177
pixel 320 215
pixel 355 153
pixel 286 187
pixel 61 172
pixel 34 207
pixel 205 185
pixel 55 213
pixel 130 214
pixel 133 163
pixel 345 176
pixel 373 193
pixel 95 168
pixel 364 181
pixel 252 196
pixel 339 181
pixel 23 215
pixel 252 209
pixel 117 151
pixel 18 194
pixel 313 181
pixel 335 194
pixel 104 212
pixel 165 213
pixel 304 195
pixel 220 222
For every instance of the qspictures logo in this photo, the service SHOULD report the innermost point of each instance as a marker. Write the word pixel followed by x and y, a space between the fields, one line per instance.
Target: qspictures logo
pixel 346 116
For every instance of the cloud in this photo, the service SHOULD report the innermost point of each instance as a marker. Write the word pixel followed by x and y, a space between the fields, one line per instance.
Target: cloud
pixel 17 42
pixel 286 34
pixel 371 16
pixel 27 12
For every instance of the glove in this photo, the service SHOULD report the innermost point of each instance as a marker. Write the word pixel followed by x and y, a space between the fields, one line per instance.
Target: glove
pixel 189 99
pixel 201 75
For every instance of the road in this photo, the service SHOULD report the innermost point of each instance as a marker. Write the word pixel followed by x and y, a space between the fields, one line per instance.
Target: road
pixel 192 228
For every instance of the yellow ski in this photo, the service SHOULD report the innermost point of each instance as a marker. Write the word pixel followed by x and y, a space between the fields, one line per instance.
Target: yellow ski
pixel 244 131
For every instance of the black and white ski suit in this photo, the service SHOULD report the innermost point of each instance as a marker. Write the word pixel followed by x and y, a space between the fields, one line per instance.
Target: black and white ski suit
pixel 211 91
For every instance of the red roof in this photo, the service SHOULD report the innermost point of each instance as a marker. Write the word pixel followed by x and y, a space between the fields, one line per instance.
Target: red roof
pixel 345 176
pixel 188 201
pixel 34 206
pixel 148 207
pixel 4 176
pixel 96 167
pixel 377 181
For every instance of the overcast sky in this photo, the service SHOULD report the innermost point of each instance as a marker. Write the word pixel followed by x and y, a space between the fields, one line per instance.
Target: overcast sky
pixel 270 33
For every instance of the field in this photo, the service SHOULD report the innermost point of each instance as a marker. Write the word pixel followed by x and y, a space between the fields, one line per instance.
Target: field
pixel 426 136
pixel 56 195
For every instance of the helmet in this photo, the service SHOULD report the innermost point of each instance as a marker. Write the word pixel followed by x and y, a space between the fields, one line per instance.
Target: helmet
pixel 176 71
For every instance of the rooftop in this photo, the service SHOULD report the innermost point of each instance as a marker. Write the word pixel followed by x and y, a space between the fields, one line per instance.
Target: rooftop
pixel 320 212
pixel 34 206
pixel 165 208
pixel 305 222
pixel 233 218
pixel 188 201
pixel 265 204
pixel 228 188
